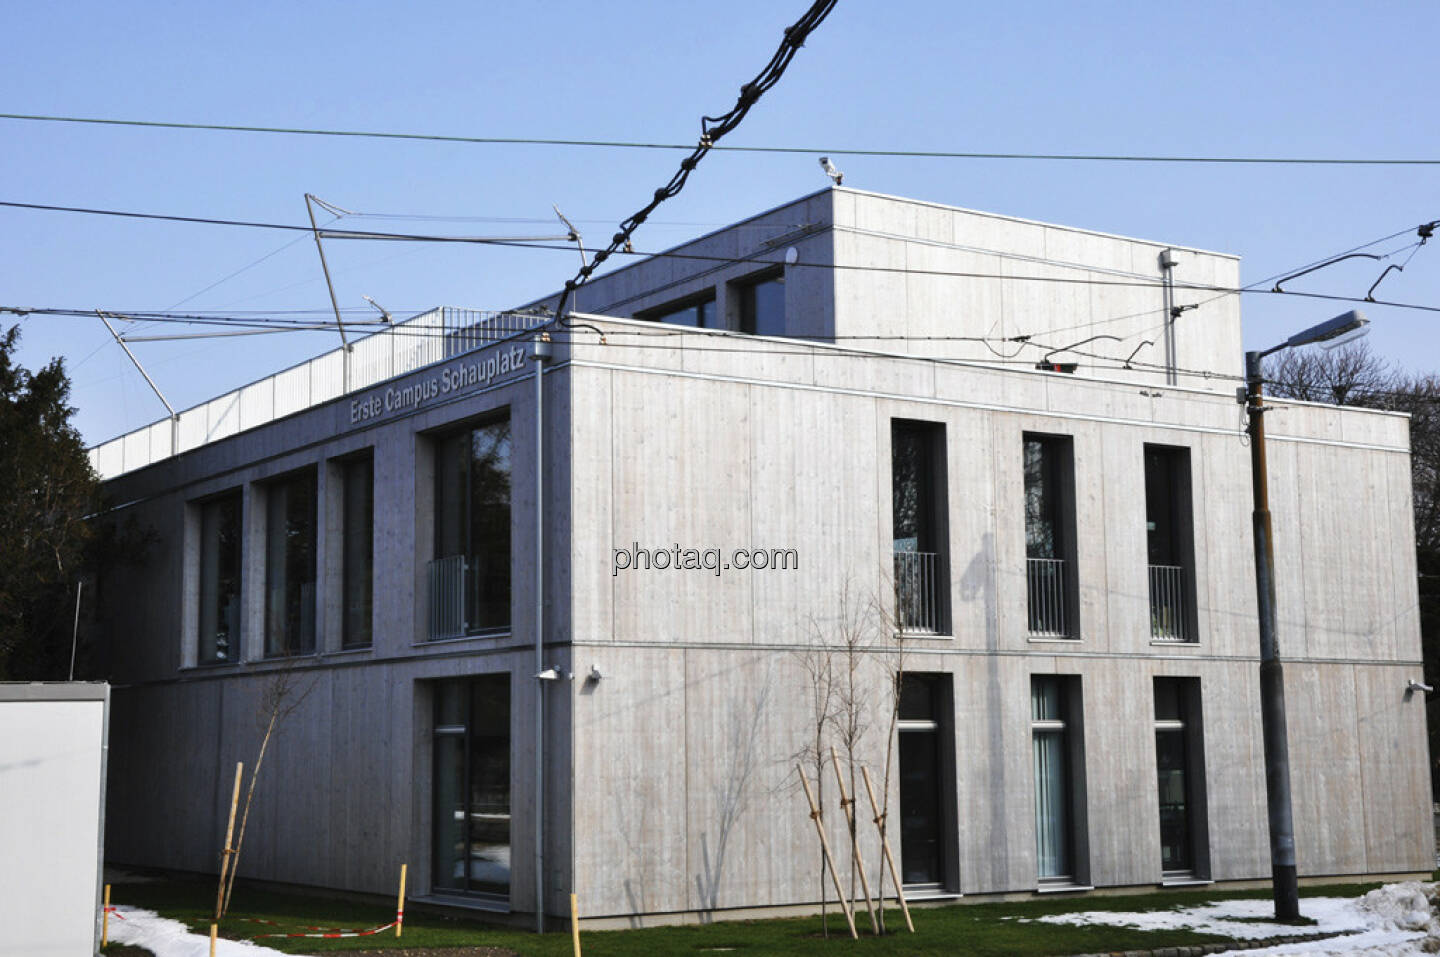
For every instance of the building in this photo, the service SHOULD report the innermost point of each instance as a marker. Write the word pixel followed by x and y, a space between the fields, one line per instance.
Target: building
pixel 1019 440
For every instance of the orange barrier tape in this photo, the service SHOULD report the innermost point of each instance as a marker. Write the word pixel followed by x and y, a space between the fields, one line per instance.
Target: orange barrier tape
pixel 333 934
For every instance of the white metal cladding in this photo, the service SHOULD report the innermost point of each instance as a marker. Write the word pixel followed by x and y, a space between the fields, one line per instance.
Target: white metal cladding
pixel 429 337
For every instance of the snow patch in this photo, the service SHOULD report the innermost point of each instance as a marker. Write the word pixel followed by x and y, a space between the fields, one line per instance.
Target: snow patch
pixel 1397 920
pixel 170 938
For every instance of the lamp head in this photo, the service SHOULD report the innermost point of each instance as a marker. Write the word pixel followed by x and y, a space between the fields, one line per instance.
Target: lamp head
pixel 1333 332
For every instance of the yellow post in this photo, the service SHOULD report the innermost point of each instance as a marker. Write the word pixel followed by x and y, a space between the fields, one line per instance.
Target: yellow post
pixel 105 920
pixel 400 904
pixel 212 939
pixel 574 926
pixel 227 850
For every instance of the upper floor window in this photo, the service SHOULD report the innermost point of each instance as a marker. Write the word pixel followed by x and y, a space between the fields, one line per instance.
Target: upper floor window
pixel 1050 535
pixel 699 313
pixel 918 510
pixel 290 565
pixel 762 304
pixel 1170 543
pixel 470 576
pixel 220 565
pixel 357 543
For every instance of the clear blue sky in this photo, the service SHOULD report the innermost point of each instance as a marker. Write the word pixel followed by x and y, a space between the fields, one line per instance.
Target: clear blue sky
pixel 1220 78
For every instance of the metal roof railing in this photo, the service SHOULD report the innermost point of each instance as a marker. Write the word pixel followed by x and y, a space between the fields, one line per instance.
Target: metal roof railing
pixel 430 337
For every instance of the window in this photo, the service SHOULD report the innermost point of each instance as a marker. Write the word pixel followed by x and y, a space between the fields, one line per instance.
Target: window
pixel 1179 764
pixel 926 780
pixel 219 625
pixel 1059 776
pixel 470 576
pixel 918 506
pixel 290 565
pixel 470 814
pixel 357 493
pixel 1170 543
pixel 699 313
pixel 762 305
pixel 1050 535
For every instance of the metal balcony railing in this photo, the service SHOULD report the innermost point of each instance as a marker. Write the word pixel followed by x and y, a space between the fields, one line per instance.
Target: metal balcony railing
pixel 447 597
pixel 1047 588
pixel 917 600
pixel 1167 604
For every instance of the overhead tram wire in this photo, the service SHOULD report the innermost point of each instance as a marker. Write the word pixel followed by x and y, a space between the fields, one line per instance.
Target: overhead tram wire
pixel 712 128
pixel 673 254
pixel 807 150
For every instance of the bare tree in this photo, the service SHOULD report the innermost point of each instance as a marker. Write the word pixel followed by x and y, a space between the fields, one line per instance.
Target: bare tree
pixel 1349 375
pixel 818 666
pixel 279 699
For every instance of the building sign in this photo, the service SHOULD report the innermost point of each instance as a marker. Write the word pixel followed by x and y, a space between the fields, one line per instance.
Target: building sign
pixel 461 375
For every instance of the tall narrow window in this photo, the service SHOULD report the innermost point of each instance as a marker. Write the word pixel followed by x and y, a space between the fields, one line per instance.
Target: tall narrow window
pixel 1179 763
pixel 219 625
pixel 470 576
pixel 1169 541
pixel 290 565
pixel 358 547
pixel 918 509
pixel 762 305
pixel 1049 535
pixel 1054 706
pixel 926 784
pixel 470 815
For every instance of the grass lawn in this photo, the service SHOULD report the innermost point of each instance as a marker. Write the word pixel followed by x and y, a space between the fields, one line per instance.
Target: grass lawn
pixel 979 929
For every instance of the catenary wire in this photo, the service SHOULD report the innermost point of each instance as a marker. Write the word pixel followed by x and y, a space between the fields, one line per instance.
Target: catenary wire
pixel 673 254
pixel 644 145
pixel 712 128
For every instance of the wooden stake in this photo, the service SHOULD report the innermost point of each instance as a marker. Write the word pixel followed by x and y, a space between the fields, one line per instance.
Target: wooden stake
pixel 213 928
pixel 105 920
pixel 825 851
pixel 848 806
pixel 226 851
pixel 885 848
pixel 400 904
pixel 574 926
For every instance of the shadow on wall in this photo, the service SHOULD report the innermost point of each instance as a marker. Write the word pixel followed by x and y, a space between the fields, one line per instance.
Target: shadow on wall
pixel 732 789
pixel 978 582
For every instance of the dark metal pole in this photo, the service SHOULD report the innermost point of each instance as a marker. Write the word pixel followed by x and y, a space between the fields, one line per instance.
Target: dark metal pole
pixel 1272 678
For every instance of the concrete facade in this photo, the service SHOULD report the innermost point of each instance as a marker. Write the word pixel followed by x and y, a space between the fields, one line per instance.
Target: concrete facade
pixel 669 781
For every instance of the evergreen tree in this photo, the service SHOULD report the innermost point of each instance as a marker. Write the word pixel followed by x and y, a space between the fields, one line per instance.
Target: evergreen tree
pixel 48 494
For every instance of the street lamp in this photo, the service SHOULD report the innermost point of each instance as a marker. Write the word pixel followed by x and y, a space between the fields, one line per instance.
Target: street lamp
pixel 1333 332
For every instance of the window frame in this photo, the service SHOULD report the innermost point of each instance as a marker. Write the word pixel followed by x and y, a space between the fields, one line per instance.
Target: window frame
pixel 677 306
pixel 1068 723
pixel 1057 452
pixel 438 439
pixel 1179 509
pixel 286 645
pixel 1190 726
pixel 234 642
pixel 747 314
pixel 348 580
pixel 932 529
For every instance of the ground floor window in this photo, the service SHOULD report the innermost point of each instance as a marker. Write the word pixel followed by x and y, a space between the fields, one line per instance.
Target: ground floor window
pixel 1180 785
pixel 471 822
pixel 925 779
pixel 1054 705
